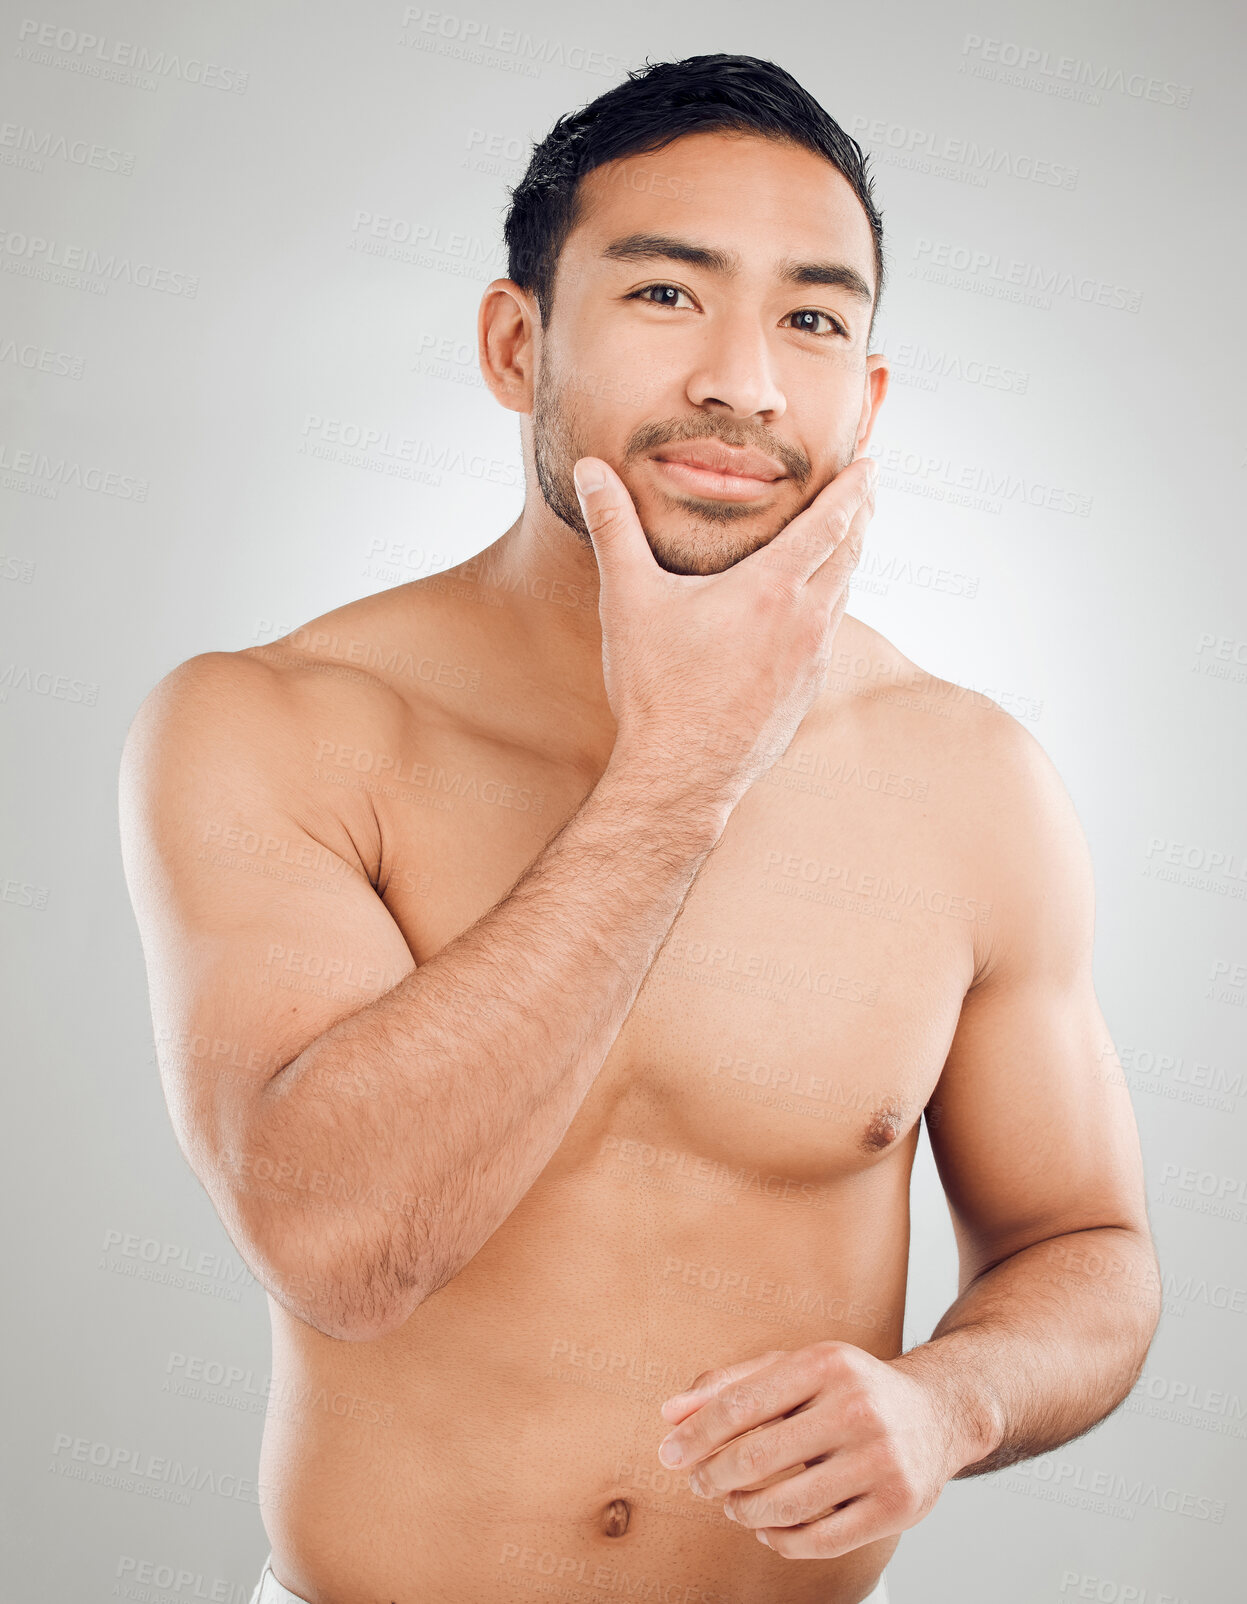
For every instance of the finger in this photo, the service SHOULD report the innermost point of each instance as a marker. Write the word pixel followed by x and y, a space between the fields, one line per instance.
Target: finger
pixel 861 1521
pixel 737 1408
pixel 681 1404
pixel 805 543
pixel 828 584
pixel 814 1490
pixel 619 542
pixel 781 1448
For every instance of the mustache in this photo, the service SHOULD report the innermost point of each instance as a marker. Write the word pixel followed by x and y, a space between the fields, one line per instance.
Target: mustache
pixel 730 431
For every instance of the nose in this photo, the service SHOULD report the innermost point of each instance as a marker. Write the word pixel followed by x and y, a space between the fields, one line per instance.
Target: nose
pixel 733 370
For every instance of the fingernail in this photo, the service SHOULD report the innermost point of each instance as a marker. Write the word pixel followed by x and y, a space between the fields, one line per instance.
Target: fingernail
pixel 669 1452
pixel 589 477
pixel 763 1538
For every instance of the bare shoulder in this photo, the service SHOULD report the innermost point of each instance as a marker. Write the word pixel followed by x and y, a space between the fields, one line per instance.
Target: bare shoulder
pixel 259 732
pixel 978 756
pixel 995 809
pixel 349 667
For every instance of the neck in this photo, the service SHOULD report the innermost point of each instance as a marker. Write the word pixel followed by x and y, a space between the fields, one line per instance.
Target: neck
pixel 547 577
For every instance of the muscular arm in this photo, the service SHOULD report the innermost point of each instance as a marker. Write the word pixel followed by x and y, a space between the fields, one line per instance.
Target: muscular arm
pixel 1035 1141
pixel 361 1150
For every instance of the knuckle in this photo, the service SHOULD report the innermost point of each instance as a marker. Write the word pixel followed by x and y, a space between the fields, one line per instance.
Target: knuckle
pixel 737 1403
pixel 603 514
pixel 783 579
pixel 753 1457
pixel 804 541
pixel 900 1495
pixel 776 597
pixel 831 1357
pixel 862 1410
pixel 838 521
pixel 789 1510
pixel 827 1544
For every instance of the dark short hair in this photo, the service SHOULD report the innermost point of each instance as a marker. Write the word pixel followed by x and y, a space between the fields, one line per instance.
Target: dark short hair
pixel 654 106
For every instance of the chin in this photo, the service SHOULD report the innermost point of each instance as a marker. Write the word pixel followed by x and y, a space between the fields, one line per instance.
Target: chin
pixel 705 548
pixel 707 557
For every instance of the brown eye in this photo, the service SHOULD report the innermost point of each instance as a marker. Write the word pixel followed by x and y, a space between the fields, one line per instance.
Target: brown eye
pixel 644 291
pixel 810 312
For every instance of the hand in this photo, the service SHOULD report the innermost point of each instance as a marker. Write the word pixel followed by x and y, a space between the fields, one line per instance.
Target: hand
pixel 861 1447
pixel 711 674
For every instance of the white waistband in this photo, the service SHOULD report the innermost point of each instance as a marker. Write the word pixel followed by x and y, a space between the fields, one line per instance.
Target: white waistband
pixel 270 1591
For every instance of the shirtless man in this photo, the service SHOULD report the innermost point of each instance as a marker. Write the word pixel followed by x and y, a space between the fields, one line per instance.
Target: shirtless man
pixel 552 960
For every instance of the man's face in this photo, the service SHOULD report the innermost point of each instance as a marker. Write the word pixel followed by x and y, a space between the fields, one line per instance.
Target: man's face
pixel 648 349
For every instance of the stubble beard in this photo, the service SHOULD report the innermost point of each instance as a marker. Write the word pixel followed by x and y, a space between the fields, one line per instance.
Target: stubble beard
pixel 708 536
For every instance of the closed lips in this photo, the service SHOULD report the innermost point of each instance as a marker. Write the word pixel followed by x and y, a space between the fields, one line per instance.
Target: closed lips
pixel 719 459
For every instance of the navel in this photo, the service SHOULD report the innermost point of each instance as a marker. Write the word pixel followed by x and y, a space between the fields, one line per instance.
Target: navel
pixel 615 1517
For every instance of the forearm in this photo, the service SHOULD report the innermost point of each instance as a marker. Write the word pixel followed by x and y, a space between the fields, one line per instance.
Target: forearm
pixel 1043 1346
pixel 428 1115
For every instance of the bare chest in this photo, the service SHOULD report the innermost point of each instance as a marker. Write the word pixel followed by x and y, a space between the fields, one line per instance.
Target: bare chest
pixel 798 1016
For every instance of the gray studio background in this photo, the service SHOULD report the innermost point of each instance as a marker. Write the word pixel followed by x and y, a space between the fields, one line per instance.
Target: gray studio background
pixel 301 204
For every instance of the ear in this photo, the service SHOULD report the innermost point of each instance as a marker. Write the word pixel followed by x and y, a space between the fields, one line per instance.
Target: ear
pixel 874 389
pixel 508 334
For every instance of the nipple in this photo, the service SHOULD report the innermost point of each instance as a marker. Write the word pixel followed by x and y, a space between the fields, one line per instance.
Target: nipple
pixel 615 1517
pixel 884 1128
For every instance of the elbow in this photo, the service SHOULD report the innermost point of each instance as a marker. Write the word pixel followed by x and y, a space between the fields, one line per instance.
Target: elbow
pixel 344 1270
pixel 1148 1281
pixel 343 1296
pixel 338 1318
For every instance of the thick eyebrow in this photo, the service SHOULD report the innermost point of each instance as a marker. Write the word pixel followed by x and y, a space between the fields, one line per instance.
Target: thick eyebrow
pixel 668 247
